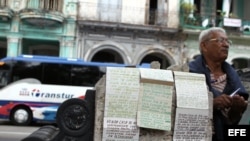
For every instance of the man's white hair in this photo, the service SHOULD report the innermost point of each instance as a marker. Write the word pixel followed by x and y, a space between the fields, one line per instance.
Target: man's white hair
pixel 205 34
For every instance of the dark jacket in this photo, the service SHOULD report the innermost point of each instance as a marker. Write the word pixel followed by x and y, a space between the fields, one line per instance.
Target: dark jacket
pixel 233 83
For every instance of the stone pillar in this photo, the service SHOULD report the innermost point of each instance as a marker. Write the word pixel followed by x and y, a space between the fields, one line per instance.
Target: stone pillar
pixel 67 47
pixel 14 46
pixel 68 41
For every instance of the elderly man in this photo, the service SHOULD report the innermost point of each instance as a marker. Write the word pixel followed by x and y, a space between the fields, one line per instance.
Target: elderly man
pixel 221 78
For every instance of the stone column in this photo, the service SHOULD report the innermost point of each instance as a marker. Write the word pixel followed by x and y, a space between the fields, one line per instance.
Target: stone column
pixel 14 46
pixel 67 47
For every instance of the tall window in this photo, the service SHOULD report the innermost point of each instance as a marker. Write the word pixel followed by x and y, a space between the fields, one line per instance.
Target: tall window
pixel 152 11
pixel 51 5
pixel 110 10
pixel 3 48
pixel 3 3
pixel 3 52
pixel 33 4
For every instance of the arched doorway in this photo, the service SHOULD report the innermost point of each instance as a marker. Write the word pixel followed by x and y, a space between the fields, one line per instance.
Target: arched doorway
pixel 107 55
pixel 156 57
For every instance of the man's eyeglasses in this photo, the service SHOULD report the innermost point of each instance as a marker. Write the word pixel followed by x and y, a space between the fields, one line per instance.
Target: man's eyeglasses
pixel 221 40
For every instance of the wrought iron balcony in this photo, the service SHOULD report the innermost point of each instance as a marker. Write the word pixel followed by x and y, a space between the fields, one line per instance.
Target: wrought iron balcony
pixel 203 21
pixel 5 12
pixel 41 18
pixel 43 13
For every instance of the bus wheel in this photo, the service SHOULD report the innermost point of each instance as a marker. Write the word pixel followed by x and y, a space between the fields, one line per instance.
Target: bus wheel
pixel 21 116
pixel 73 117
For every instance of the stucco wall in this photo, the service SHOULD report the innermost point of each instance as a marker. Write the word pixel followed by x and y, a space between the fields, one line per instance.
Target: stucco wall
pixel 131 48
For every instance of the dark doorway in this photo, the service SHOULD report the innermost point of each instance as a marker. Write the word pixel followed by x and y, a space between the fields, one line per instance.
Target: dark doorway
pixel 107 55
pixel 3 52
pixel 40 47
pixel 156 57
pixel 3 47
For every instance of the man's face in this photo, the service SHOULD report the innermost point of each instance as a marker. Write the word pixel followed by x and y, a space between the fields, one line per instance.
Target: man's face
pixel 216 47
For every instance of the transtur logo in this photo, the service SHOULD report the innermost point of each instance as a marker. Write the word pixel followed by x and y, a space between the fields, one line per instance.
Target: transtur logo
pixel 37 93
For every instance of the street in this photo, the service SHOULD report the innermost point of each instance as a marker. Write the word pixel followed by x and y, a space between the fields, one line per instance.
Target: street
pixel 10 132
pixel 245 120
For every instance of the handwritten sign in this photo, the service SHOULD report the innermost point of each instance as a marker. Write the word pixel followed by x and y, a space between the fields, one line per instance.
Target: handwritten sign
pixel 121 100
pixel 192 120
pixel 191 90
pixel 155 102
pixel 156 76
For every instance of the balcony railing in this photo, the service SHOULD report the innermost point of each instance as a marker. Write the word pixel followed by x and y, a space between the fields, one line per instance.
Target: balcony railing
pixel 198 21
pixel 203 21
pixel 47 5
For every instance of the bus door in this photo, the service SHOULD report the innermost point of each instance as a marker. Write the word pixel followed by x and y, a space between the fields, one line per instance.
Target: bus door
pixel 3 78
pixel 4 74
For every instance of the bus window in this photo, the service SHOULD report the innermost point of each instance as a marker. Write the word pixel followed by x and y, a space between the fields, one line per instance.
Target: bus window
pixel 85 75
pixel 57 74
pixel 26 69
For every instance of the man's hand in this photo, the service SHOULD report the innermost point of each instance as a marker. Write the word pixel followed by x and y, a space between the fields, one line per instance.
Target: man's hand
pixel 239 105
pixel 223 101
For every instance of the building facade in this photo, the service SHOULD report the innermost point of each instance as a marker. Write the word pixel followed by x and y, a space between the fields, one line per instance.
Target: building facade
pixel 95 30
pixel 232 15
pixel 39 27
pixel 130 32
pixel 121 31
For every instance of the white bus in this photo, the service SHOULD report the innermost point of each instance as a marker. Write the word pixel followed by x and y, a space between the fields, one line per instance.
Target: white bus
pixel 33 87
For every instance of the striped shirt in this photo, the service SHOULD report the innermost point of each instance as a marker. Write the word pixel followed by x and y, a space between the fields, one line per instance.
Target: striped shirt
pixel 219 83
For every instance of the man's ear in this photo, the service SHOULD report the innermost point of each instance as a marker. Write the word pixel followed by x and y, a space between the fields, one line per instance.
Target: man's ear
pixel 203 46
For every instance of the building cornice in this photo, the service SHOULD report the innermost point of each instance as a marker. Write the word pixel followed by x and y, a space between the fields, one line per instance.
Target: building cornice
pixel 125 27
